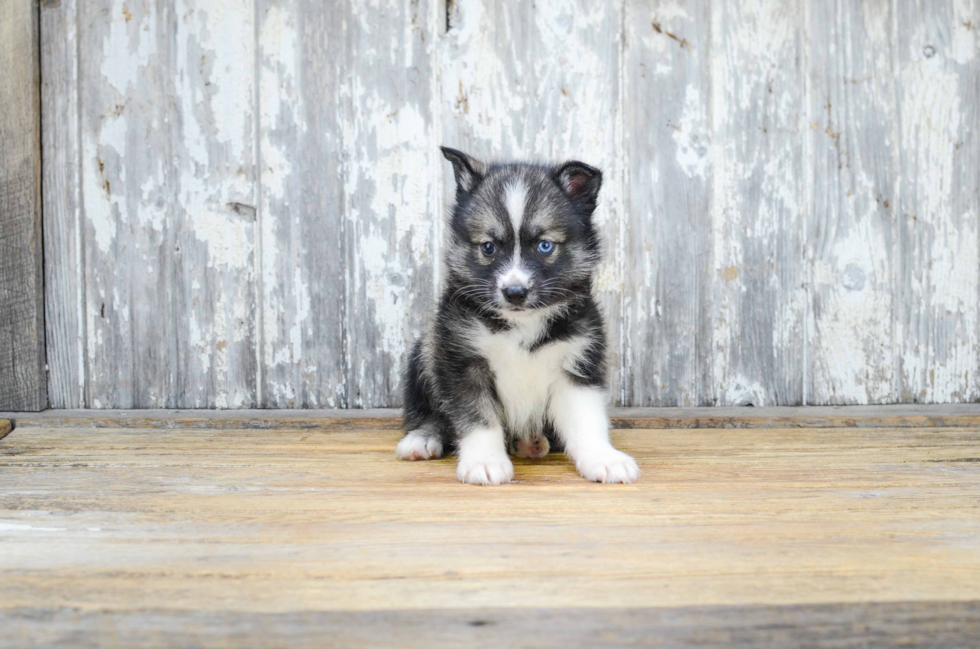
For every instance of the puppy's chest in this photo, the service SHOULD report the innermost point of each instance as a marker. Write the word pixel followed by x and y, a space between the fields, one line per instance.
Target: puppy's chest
pixel 524 379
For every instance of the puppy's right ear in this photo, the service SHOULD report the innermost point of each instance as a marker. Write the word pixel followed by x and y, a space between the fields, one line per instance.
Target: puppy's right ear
pixel 468 171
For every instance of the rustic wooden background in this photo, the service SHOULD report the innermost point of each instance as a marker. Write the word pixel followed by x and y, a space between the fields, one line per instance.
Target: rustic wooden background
pixel 243 199
pixel 22 357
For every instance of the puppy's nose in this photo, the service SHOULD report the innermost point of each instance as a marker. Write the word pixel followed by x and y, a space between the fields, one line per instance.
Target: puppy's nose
pixel 515 294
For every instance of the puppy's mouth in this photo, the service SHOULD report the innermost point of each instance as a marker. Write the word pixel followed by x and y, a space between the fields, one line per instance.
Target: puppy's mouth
pixel 519 308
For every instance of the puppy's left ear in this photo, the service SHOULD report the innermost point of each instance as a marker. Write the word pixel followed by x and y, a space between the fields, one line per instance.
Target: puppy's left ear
pixel 468 170
pixel 580 181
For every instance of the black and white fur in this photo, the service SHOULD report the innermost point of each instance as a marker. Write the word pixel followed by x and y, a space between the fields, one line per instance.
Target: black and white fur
pixel 515 357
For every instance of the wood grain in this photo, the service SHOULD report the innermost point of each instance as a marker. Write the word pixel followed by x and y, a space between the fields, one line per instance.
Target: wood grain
pixel 23 382
pixel 811 417
pixel 377 419
pixel 852 233
pixel 936 58
pixel 392 207
pixel 129 221
pixel 301 269
pixel 844 626
pixel 668 284
pixel 757 219
pixel 64 247
pixel 212 120
pixel 213 527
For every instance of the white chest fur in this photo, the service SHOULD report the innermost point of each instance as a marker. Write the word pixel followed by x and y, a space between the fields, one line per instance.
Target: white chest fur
pixel 525 379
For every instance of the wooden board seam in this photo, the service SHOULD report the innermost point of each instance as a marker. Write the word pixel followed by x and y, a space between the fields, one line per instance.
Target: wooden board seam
pixel 951 416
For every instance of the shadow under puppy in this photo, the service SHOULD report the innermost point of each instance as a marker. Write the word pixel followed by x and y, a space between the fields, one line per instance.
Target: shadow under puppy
pixel 515 357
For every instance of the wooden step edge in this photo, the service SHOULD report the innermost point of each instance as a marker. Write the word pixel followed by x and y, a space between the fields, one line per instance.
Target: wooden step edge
pixel 898 416
pixel 834 421
pixel 327 420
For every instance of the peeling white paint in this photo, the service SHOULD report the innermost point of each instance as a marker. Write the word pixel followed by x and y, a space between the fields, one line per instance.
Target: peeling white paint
pixel 281 109
pixel 965 24
pixel 855 324
pixel 693 145
pixel 388 314
pixel 756 102
pixel 944 281
pixel 302 307
pixel 105 206
pixel 228 238
pixel 930 124
pixel 129 47
pixel 742 391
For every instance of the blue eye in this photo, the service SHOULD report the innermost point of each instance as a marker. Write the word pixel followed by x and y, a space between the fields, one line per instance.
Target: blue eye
pixel 546 247
pixel 488 248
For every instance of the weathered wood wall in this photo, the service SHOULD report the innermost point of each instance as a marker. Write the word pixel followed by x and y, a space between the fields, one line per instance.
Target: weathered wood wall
pixel 244 199
pixel 23 384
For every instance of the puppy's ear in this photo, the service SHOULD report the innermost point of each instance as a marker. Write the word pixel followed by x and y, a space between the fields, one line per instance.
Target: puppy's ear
pixel 468 171
pixel 580 181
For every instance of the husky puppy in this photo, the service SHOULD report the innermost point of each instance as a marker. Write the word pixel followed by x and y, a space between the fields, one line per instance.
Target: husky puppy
pixel 515 357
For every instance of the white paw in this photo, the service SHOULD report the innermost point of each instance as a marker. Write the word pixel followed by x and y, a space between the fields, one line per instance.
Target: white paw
pixel 483 457
pixel 609 466
pixel 418 445
pixel 533 448
pixel 485 471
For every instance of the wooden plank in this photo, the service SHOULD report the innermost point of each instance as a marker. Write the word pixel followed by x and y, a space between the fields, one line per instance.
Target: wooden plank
pixel 374 419
pixel 541 81
pixel 391 207
pixel 129 226
pixel 947 416
pixel 23 383
pixel 281 521
pixel 213 141
pixel 858 625
pixel 758 274
pixel 64 276
pixel 167 263
pixel 301 259
pixel 639 418
pixel 936 58
pixel 852 233
pixel 668 230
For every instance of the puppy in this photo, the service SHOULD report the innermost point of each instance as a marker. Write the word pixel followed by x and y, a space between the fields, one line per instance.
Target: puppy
pixel 515 357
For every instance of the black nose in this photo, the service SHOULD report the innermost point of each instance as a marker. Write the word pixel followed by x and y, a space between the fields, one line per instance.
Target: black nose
pixel 515 294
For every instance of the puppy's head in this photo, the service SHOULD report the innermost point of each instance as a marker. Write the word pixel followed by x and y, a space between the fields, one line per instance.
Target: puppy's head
pixel 522 236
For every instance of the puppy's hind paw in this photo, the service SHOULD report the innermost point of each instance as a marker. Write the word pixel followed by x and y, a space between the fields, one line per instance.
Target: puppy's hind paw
pixel 533 448
pixel 610 466
pixel 417 445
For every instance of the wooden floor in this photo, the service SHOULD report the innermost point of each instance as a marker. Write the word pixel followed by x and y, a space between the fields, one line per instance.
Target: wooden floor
pixel 291 537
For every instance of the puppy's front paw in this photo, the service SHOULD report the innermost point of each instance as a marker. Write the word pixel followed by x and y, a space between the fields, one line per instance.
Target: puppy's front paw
pixel 485 471
pixel 416 445
pixel 609 466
